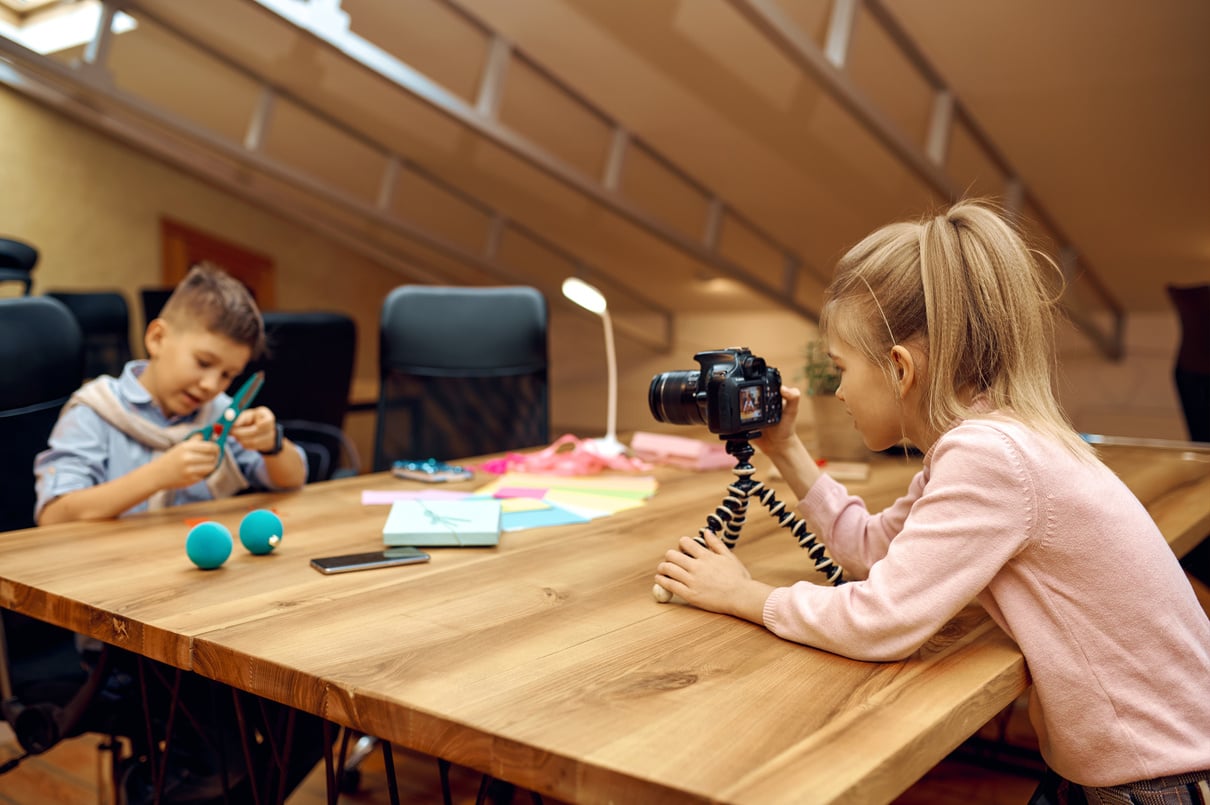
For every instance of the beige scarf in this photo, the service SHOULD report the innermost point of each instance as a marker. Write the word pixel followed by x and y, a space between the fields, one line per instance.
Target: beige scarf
pixel 225 481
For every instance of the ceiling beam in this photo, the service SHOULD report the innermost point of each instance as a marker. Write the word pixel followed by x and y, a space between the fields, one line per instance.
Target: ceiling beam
pixel 826 66
pixel 385 65
pixel 117 112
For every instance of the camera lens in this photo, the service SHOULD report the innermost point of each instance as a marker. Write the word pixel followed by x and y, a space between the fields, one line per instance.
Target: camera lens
pixel 673 398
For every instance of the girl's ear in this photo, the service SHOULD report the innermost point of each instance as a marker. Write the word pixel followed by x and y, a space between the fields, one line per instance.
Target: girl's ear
pixel 905 369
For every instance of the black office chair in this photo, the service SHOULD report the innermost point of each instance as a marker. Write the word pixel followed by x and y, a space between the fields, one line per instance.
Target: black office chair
pixel 42 359
pixel 104 318
pixel 308 372
pixel 463 373
pixel 41 355
pixel 1192 376
pixel 152 301
pixel 17 261
pixel 1192 369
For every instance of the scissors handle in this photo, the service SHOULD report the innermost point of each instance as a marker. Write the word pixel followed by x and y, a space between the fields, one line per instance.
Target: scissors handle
pixel 218 430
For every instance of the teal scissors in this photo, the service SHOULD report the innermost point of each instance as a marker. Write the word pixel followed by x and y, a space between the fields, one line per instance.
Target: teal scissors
pixel 217 430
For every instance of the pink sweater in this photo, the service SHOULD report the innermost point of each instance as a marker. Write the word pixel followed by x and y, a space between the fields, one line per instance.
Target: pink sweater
pixel 1067 562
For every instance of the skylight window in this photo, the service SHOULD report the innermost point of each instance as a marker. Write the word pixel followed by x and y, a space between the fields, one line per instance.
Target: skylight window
pixel 47 27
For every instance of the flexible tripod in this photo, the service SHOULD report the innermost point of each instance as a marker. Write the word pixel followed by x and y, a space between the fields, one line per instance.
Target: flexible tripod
pixel 732 513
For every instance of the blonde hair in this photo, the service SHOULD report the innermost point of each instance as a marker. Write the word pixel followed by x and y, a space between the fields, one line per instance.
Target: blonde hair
pixel 212 299
pixel 964 287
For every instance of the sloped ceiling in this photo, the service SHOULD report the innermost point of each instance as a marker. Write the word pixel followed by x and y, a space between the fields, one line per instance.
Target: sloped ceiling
pixel 1104 107
pixel 1100 107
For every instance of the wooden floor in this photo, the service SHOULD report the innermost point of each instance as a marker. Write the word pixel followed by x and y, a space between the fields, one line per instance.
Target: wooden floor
pixel 68 775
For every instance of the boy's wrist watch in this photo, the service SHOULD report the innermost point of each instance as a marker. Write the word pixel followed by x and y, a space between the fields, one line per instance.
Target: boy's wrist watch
pixel 277 443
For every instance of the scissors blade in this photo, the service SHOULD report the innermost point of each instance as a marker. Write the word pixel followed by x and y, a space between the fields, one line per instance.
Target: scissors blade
pixel 247 392
pixel 217 431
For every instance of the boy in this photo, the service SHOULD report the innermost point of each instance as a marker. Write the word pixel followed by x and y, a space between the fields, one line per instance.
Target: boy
pixel 120 445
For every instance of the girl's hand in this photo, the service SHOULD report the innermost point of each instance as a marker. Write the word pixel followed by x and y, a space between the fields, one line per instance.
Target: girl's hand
pixel 711 577
pixel 775 437
pixel 789 454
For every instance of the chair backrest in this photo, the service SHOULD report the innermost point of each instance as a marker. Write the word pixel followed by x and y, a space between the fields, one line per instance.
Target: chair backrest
pixel 104 318
pixel 463 372
pixel 308 372
pixel 1192 370
pixel 17 261
pixel 42 353
pixel 151 302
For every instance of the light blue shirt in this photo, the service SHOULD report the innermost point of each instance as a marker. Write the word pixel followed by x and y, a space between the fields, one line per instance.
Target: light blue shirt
pixel 85 450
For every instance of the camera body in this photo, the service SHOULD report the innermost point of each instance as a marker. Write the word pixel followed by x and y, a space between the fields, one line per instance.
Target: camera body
pixel 734 393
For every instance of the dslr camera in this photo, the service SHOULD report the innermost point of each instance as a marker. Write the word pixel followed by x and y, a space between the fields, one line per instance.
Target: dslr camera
pixel 733 394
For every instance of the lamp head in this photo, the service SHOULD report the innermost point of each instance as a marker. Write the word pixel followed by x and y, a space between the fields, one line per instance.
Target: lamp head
pixel 584 295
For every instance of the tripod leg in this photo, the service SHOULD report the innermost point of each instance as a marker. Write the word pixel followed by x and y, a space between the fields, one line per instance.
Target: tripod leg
pixel 729 517
pixel 798 527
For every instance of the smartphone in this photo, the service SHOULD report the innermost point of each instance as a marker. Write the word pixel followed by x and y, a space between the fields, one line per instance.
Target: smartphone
pixel 364 561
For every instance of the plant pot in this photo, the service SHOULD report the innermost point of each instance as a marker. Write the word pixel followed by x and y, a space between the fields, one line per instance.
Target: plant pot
pixel 834 436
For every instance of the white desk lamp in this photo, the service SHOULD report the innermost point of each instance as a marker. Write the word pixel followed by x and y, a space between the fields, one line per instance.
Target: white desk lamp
pixel 592 300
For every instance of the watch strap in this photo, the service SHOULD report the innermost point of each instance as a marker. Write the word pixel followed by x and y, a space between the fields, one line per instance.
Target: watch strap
pixel 277 443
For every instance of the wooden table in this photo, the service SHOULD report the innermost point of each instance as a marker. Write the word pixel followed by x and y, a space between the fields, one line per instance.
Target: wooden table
pixel 545 661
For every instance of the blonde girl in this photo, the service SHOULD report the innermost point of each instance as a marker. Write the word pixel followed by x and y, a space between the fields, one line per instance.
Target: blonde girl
pixel 944 333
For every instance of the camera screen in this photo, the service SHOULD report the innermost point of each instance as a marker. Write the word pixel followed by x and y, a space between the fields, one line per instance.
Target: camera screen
pixel 750 407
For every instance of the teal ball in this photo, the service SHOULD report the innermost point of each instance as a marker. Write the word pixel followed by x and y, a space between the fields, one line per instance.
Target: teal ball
pixel 208 544
pixel 260 531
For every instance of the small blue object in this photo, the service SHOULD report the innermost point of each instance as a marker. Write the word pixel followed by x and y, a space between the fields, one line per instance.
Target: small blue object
pixel 430 470
pixel 208 544
pixel 260 531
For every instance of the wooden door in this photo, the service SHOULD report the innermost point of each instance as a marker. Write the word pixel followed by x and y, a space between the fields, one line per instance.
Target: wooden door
pixel 183 246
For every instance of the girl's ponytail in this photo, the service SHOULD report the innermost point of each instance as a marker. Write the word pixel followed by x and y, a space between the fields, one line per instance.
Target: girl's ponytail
pixel 965 286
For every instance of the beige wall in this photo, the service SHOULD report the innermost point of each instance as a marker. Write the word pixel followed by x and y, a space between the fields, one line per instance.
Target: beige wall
pixel 1132 397
pixel 92 207
pixel 578 359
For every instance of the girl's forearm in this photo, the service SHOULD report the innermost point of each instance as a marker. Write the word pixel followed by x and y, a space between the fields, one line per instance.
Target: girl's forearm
pixel 795 464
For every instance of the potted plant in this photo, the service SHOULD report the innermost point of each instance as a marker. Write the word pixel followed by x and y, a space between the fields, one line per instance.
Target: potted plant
pixel 834 435
pixel 819 371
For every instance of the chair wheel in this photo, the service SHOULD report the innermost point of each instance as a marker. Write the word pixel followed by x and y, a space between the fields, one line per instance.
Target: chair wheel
pixel 350 781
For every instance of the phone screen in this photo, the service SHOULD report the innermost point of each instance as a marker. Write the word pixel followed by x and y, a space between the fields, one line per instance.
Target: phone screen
pixel 364 561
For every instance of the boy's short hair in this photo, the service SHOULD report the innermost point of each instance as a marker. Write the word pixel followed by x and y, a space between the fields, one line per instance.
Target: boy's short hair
pixel 211 298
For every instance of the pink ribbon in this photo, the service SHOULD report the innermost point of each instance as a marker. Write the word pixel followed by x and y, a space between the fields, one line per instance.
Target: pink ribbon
pixel 556 459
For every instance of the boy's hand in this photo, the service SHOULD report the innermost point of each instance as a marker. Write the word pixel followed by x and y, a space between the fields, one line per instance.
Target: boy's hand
pixel 186 463
pixel 256 429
